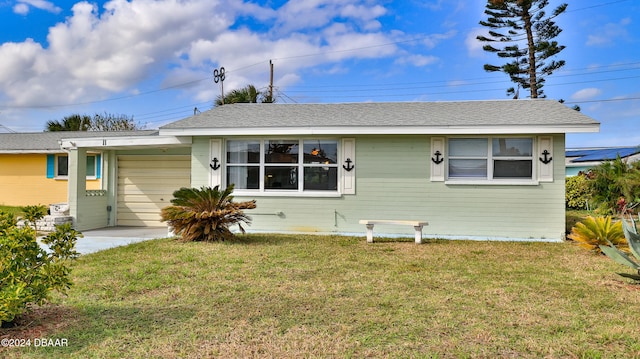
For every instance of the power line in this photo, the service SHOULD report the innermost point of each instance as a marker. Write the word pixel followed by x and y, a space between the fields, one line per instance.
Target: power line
pixel 595 6
pixel 605 100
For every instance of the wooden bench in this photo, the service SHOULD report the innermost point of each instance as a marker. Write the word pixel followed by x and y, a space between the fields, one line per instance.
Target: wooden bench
pixel 417 225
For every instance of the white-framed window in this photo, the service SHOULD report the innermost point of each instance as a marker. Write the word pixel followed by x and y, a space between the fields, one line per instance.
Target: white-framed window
pixel 58 166
pixel 491 158
pixel 282 165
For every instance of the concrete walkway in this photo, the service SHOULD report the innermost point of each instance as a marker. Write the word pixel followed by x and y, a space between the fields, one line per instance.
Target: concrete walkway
pixel 99 239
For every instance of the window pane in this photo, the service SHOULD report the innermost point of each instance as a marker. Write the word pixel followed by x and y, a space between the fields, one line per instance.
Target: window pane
pixel 321 178
pixel 281 151
pixel 243 152
pixel 91 166
pixel 467 168
pixel 512 169
pixel 285 177
pixel 468 147
pixel 244 177
pixel 320 151
pixel 512 147
pixel 63 166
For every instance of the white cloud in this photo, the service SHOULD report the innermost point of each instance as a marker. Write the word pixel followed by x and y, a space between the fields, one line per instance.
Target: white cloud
pixel 418 60
pixel 474 46
pixel 608 34
pixel 432 41
pixel 22 7
pixel 456 83
pixel 586 94
pixel 314 14
pixel 97 52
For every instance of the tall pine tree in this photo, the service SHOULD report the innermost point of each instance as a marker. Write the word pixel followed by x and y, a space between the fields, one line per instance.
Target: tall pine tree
pixel 520 32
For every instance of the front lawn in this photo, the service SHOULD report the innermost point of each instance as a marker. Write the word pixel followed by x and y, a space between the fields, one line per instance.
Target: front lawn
pixel 328 296
pixel 11 209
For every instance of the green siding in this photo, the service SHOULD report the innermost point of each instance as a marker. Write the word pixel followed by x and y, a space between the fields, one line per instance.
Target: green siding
pixel 94 212
pixel 392 182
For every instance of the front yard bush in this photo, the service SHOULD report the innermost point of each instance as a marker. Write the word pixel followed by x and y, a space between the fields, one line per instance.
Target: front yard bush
pixel 577 192
pixel 34 213
pixel 613 184
pixel 28 273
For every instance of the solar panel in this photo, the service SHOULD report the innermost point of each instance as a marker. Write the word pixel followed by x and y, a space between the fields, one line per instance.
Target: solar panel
pixel 604 154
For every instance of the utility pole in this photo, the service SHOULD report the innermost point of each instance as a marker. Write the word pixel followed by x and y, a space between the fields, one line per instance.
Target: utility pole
pixel 271 82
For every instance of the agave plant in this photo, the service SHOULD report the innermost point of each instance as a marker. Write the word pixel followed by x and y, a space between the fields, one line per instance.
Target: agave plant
pixel 205 214
pixel 633 238
pixel 593 232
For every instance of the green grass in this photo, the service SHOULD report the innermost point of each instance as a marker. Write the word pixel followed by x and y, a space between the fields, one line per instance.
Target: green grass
pixel 328 296
pixel 11 209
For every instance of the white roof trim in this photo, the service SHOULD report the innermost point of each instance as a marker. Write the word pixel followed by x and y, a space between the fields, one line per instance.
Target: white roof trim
pixel 126 141
pixel 31 151
pixel 401 130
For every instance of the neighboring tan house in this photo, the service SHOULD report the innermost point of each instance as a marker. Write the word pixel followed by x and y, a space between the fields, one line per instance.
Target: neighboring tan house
pixel 472 169
pixel 34 169
pixel 584 159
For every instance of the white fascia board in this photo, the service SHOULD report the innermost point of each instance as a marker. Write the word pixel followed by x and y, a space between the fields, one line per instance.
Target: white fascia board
pixel 396 130
pixel 31 151
pixel 127 141
pixel 584 164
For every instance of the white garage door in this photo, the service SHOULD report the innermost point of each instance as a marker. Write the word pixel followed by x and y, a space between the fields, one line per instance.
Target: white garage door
pixel 146 185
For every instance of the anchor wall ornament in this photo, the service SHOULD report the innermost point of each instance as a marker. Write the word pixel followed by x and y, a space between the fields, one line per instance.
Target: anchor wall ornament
pixel 437 160
pixel 348 167
pixel 546 159
pixel 215 164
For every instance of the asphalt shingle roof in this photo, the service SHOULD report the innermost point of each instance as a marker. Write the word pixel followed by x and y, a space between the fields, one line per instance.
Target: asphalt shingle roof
pixel 32 142
pixel 381 114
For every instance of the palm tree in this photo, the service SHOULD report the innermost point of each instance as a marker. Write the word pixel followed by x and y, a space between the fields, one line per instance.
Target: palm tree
pixel 248 94
pixel 205 214
pixel 97 122
pixel 70 123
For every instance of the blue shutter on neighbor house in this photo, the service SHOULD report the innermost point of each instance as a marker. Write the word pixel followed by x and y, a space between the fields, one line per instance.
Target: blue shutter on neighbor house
pixel 98 166
pixel 51 166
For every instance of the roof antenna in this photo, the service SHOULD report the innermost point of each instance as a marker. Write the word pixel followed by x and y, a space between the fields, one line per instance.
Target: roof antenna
pixel 218 76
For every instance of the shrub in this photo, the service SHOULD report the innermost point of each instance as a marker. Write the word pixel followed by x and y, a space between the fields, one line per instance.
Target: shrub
pixel 28 273
pixel 7 222
pixel 32 214
pixel 577 192
pixel 593 232
pixel 205 214
pixel 612 181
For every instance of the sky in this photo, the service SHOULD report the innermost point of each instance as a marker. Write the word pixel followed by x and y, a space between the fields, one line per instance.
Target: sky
pixel 154 61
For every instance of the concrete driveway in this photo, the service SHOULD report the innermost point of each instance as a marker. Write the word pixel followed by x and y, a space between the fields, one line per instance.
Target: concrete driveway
pixel 99 239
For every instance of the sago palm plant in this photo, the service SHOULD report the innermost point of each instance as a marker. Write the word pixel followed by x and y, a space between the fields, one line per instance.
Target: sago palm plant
pixel 593 232
pixel 205 214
